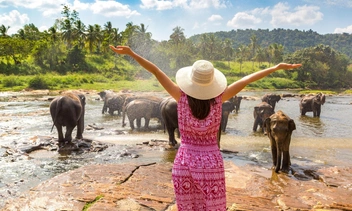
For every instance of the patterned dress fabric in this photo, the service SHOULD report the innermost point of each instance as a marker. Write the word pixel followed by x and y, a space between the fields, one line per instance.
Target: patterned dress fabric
pixel 198 171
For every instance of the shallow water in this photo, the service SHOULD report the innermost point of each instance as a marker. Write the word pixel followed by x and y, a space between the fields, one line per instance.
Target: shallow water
pixel 324 140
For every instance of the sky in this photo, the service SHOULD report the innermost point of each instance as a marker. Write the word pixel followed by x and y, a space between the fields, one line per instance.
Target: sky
pixel 160 17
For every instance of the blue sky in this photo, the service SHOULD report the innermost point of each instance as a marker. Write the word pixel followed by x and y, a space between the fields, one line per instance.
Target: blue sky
pixel 194 16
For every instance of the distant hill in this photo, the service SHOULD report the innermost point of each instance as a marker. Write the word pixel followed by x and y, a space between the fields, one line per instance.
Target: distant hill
pixel 292 40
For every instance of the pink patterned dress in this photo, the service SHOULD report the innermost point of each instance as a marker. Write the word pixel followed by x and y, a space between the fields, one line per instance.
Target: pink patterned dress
pixel 198 171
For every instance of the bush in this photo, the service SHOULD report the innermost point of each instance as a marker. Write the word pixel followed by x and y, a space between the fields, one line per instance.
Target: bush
pixel 11 81
pixel 38 82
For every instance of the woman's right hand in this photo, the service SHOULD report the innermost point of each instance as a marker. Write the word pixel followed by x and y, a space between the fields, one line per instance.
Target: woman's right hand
pixel 122 49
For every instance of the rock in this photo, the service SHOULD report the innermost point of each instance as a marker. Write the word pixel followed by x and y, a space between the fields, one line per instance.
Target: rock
pixel 149 186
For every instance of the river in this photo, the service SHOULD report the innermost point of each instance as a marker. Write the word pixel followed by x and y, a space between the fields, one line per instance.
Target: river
pixel 324 141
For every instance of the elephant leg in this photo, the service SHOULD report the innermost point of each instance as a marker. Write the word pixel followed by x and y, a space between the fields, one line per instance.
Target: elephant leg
pixel 225 122
pixel 286 161
pixel 172 140
pixel 255 125
pixel 139 122
pixel 132 124
pixel 318 112
pixel 274 154
pixel 79 130
pixel 146 124
pixel 68 134
pixel 60 134
pixel 303 112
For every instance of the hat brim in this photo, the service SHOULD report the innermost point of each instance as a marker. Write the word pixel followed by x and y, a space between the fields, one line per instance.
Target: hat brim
pixel 201 92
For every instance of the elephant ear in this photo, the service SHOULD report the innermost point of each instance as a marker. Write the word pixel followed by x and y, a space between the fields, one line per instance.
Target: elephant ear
pixel 267 127
pixel 291 125
pixel 322 99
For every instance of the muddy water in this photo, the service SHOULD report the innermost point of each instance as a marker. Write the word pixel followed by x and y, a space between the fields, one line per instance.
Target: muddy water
pixel 320 141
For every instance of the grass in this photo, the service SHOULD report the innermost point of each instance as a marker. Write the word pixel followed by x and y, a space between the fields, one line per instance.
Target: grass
pixel 89 204
pixel 125 76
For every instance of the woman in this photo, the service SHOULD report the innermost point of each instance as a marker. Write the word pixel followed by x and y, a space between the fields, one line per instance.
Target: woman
pixel 198 172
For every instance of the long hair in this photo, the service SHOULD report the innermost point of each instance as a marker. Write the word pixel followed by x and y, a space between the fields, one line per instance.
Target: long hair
pixel 200 108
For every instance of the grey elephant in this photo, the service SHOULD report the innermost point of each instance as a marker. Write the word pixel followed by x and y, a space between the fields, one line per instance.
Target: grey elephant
pixel 261 112
pixel 105 95
pixel 237 102
pixel 116 102
pixel 68 111
pixel 271 99
pixel 279 129
pixel 168 109
pixel 146 97
pixel 312 103
pixel 227 107
pixel 141 108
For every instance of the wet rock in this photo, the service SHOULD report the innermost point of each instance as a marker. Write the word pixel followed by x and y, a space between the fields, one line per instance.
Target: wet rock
pixel 149 187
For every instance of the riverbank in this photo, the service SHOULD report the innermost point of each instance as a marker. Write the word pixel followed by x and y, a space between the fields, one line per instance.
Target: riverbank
pixel 148 186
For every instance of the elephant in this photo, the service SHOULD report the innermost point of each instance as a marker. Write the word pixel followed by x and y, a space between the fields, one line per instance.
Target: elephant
pixel 115 103
pixel 260 113
pixel 233 104
pixel 237 102
pixel 312 103
pixel 168 109
pixel 68 111
pixel 135 97
pixel 227 107
pixel 141 108
pixel 105 95
pixel 279 129
pixel 272 99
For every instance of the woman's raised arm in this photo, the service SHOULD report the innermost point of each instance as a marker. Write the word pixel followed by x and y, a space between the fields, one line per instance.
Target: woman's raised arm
pixel 237 86
pixel 163 79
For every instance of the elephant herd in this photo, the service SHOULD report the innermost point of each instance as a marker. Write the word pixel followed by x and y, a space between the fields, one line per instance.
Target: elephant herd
pixel 278 126
pixel 68 110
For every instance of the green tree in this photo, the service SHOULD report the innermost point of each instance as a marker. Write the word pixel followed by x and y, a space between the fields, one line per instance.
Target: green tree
pixel 3 30
pixel 228 50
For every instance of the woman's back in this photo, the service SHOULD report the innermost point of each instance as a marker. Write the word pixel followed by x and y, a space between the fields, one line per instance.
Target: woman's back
pixel 199 132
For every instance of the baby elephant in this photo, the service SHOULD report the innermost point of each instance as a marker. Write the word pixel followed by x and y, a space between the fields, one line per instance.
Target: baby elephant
pixel 68 111
pixel 279 129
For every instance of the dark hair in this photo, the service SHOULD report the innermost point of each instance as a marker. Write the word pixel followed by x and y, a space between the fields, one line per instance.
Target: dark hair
pixel 200 108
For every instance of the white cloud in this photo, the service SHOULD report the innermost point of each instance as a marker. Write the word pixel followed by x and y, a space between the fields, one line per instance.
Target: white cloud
pixel 79 6
pixel 301 15
pixel 188 4
pixel 158 5
pixel 243 20
pixel 215 18
pixel 15 20
pixel 348 29
pixel 112 8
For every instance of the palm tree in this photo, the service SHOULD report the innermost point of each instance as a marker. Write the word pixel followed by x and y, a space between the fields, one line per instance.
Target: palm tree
pixel 99 35
pixel 177 36
pixel 128 33
pixel 242 51
pixel 228 50
pixel 67 32
pixel 115 36
pixel 203 45
pixel 90 38
pixel 80 33
pixel 276 52
pixel 253 48
pixel 3 30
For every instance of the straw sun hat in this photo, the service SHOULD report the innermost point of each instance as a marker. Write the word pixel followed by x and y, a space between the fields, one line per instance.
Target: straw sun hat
pixel 201 80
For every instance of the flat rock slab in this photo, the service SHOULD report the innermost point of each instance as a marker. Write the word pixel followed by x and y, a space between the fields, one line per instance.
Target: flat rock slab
pixel 149 187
